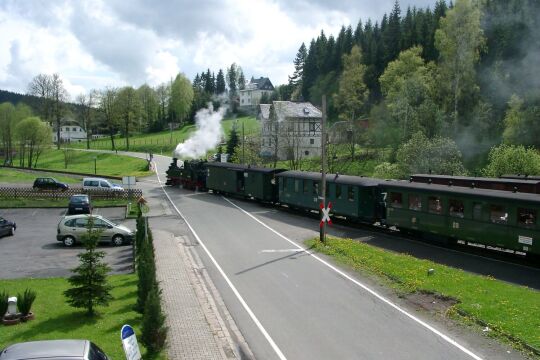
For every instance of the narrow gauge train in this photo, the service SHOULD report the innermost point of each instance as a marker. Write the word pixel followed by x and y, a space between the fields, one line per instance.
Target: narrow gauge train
pixel 516 184
pixel 481 217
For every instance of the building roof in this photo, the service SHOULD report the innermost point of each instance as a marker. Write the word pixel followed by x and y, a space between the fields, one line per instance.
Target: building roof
pixel 498 194
pixel 289 109
pixel 262 83
pixel 332 178
pixel 264 110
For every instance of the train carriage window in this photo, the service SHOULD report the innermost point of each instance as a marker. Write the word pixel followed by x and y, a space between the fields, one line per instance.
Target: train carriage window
pixel 396 199
pixel 315 188
pixel 526 217
pixel 456 208
pixel 338 191
pixel 434 205
pixel 415 202
pixel 477 211
pixel 296 185
pixel 306 186
pixel 281 182
pixel 350 194
pixel 498 214
pixel 290 184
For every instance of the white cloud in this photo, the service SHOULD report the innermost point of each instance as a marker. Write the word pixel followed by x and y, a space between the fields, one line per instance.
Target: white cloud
pixel 99 43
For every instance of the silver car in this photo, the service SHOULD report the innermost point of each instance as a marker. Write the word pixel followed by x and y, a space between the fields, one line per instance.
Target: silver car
pixel 71 230
pixel 54 349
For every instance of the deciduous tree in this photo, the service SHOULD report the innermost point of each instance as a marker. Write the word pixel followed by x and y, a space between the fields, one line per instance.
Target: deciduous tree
pixel 129 108
pixel 181 98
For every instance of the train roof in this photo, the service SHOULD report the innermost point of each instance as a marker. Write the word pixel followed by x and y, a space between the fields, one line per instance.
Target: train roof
pixel 499 194
pixel 501 180
pixel 332 178
pixel 234 166
pixel 521 177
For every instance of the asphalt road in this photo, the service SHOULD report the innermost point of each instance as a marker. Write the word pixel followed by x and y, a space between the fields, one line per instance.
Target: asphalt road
pixel 290 304
pixel 34 251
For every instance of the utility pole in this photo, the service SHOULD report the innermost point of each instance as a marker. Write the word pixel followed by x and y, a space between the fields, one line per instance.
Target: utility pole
pixel 243 142
pixel 323 170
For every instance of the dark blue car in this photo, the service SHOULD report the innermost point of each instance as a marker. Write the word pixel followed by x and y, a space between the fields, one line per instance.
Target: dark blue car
pixel 79 204
pixel 7 227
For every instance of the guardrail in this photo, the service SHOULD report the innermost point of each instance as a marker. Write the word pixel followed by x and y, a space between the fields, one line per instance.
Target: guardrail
pixel 28 192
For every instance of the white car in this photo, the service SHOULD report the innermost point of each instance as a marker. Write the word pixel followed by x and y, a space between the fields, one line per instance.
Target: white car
pixel 101 184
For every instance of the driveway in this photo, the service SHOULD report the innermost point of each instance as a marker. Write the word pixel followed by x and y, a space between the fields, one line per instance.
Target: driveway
pixel 34 251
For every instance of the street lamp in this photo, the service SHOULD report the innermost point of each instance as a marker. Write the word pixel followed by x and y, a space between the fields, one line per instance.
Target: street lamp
pixel 95 165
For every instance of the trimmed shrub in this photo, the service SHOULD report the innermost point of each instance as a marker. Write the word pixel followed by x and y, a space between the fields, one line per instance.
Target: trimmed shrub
pixel 25 301
pixel 3 303
pixel 154 332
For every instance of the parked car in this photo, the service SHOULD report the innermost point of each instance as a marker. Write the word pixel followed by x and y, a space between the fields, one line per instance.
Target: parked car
pixel 54 349
pixel 71 230
pixel 99 183
pixel 7 227
pixel 48 183
pixel 79 204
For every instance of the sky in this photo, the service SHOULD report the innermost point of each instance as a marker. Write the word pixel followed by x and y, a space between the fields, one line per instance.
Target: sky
pixel 97 43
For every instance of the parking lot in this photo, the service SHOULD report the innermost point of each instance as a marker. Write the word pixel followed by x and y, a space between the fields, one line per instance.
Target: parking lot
pixel 34 251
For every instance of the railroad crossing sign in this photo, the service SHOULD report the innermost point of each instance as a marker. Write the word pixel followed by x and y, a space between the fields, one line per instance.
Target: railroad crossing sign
pixel 326 214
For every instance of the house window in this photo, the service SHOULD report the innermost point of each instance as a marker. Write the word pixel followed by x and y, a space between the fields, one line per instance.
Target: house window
pixel 526 217
pixel 306 152
pixel 74 129
pixel 498 214
pixel 311 141
pixel 434 205
pixel 415 202
pixel 456 208
pixel 312 126
pixel 263 142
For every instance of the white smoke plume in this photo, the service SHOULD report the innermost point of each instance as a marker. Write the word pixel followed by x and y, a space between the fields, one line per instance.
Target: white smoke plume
pixel 207 136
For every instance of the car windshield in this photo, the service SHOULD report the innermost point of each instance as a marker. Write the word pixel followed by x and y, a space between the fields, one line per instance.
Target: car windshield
pixel 79 199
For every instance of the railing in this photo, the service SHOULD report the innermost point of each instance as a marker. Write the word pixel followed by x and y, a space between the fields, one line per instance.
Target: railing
pixel 21 192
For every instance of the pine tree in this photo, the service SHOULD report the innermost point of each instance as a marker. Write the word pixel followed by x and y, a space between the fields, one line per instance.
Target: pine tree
pixel 90 287
pixel 220 82
pixel 241 79
pixel 233 141
pixel 299 61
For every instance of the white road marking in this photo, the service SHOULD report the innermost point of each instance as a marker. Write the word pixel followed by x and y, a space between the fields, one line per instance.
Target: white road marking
pixel 233 288
pixel 279 250
pixel 372 292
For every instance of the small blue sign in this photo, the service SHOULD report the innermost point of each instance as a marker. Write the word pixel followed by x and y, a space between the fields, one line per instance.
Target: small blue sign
pixel 126 332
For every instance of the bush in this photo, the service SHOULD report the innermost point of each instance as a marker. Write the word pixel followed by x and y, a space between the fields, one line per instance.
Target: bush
pixel 146 272
pixel 3 303
pixel 25 301
pixel 511 159
pixel 154 332
pixel 387 170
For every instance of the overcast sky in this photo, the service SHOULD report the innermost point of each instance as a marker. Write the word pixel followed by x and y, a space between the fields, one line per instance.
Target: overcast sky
pixel 98 43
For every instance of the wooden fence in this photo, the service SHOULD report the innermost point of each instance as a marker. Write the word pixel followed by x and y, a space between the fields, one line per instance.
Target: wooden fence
pixel 28 192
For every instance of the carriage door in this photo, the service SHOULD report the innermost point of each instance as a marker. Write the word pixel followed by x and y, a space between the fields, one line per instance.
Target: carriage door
pixel 240 181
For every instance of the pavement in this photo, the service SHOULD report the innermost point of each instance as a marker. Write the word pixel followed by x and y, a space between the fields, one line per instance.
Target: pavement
pixel 199 324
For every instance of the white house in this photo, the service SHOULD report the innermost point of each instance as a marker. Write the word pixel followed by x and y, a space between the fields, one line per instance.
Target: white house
pixel 70 133
pixel 251 95
pixel 290 129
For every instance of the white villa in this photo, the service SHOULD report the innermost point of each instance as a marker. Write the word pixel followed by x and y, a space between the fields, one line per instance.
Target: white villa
pixel 70 133
pixel 251 95
pixel 290 129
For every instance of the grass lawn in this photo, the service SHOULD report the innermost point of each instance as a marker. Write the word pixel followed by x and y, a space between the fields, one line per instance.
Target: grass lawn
pixel 21 176
pixel 511 311
pixel 163 142
pixel 58 203
pixel 81 161
pixel 55 319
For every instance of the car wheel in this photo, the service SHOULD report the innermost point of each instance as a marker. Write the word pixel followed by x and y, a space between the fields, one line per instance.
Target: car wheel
pixel 69 241
pixel 12 231
pixel 118 240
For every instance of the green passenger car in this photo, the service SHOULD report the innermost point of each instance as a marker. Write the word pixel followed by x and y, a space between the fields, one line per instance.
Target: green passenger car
pixel 355 198
pixel 487 218
pixel 242 180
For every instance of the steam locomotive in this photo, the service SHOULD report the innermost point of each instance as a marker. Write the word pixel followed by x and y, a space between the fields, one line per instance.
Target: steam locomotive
pixel 491 213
